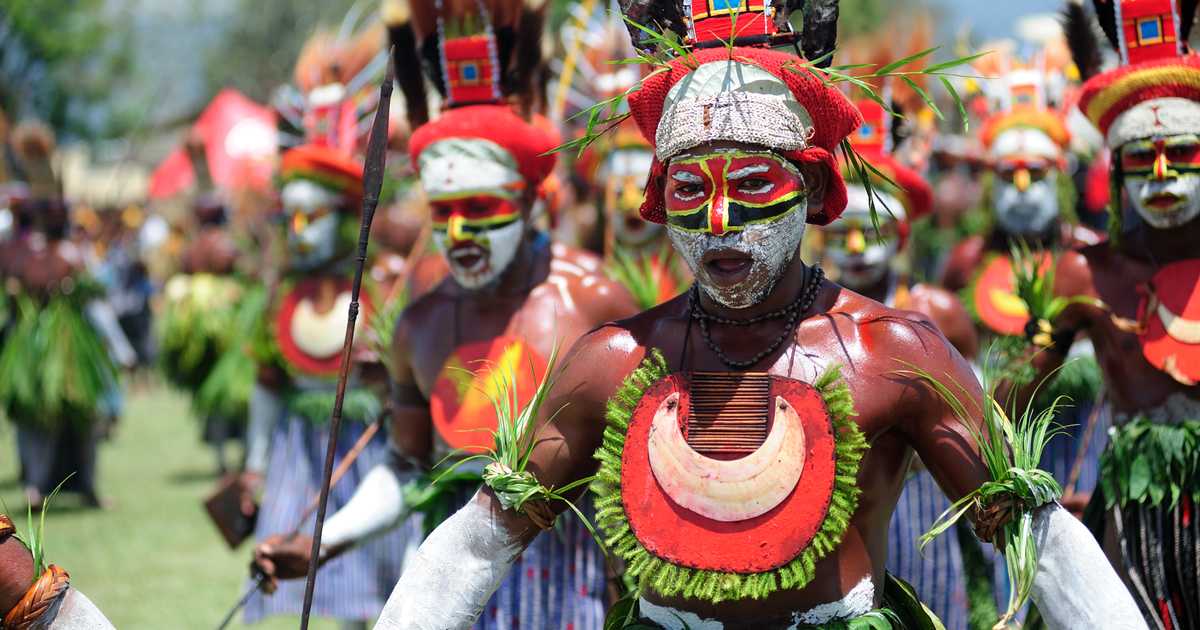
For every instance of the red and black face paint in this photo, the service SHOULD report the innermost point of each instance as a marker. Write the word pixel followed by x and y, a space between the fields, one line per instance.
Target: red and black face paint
pixel 725 192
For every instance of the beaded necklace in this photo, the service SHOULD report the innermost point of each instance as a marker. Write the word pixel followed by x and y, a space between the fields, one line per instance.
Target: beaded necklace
pixel 791 311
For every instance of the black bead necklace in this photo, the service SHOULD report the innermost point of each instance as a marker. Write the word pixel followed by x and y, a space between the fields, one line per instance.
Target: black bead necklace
pixel 791 311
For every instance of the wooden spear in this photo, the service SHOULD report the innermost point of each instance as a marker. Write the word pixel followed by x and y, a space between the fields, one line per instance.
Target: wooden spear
pixel 372 185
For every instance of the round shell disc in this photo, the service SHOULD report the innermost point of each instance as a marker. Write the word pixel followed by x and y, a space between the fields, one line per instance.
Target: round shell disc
pixel 290 350
pixel 765 542
pixel 1175 348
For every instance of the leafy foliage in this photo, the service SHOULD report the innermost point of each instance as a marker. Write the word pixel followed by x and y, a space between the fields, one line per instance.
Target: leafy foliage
pixel 1152 463
pixel 225 391
pixel 650 279
pixel 197 325
pixel 53 367
pixel 1011 451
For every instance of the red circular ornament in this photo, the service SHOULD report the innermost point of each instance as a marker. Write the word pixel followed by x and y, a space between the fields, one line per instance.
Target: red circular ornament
pixel 995 298
pixel 328 364
pixel 762 543
pixel 1170 341
pixel 462 414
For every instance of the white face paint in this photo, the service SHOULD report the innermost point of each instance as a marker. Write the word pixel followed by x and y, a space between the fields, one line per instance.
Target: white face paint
pixel 771 246
pixel 312 213
pixel 853 244
pixel 736 217
pixel 479 262
pixel 627 172
pixel 1162 179
pixel 1029 211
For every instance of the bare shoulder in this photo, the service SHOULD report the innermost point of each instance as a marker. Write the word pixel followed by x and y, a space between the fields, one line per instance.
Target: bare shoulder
pixel 427 309
pixel 872 334
pixel 579 274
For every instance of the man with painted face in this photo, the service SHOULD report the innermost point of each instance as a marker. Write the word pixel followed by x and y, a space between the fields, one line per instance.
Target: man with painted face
pixel 511 299
pixel 732 478
pixel 298 344
pixel 865 257
pixel 1026 142
pixel 1140 307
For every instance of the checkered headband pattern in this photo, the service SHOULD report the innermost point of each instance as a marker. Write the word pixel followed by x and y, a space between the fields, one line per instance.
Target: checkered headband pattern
pixel 830 118
pixel 1106 98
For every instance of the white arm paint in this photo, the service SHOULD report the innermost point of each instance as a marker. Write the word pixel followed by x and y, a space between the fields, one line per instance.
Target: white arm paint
pixel 375 509
pixel 1076 588
pixel 104 319
pixel 264 410
pixel 77 612
pixel 456 570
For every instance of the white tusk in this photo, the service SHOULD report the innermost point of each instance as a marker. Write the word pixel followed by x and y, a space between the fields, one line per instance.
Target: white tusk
pixel 1180 329
pixel 727 491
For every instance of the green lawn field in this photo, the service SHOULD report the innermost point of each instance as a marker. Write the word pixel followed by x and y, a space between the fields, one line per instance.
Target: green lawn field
pixel 152 560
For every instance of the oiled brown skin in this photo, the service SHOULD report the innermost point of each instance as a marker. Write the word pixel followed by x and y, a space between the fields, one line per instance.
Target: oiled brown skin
pixel 942 307
pixel 16 573
pixel 214 251
pixel 530 307
pixel 969 254
pixel 841 328
pixel 527 304
pixel 1112 276
pixel 40 264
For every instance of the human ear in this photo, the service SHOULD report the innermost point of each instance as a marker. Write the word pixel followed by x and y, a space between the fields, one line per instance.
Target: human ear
pixel 816 180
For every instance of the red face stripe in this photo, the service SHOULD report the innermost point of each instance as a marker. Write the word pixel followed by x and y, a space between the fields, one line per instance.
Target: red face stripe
pixel 718 211
pixel 725 192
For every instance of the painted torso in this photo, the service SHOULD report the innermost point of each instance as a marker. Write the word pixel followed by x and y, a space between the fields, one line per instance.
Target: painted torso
pixel 308 325
pixel 842 328
pixel 448 327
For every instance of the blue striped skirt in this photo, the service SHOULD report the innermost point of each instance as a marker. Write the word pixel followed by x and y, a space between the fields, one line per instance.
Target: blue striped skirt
pixel 355 585
pixel 938 576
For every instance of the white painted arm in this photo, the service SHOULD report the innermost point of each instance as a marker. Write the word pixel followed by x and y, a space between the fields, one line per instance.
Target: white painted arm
pixel 264 410
pixel 456 570
pixel 79 613
pixel 1076 588
pixel 375 509
pixel 104 319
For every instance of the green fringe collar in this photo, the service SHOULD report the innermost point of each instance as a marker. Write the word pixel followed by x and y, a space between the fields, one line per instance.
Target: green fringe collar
pixel 666 579
pixel 1152 463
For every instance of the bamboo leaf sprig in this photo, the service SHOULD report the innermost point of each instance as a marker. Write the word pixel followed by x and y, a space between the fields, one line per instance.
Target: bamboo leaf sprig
pixel 1011 450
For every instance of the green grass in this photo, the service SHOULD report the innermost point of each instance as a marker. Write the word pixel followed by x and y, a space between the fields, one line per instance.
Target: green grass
pixel 154 559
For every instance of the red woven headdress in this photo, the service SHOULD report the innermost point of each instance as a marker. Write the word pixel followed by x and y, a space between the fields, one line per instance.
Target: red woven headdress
pixel 831 117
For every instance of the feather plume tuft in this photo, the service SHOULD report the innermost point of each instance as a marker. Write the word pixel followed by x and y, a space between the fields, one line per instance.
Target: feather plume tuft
pixel 820 30
pixel 397 14
pixel 1107 17
pixel 1082 40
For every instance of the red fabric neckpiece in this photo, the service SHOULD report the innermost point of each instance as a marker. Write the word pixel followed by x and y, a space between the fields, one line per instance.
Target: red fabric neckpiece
pixel 755 545
pixel 306 363
pixel 1175 285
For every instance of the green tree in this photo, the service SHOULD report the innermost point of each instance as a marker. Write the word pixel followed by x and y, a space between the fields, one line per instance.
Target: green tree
pixel 259 48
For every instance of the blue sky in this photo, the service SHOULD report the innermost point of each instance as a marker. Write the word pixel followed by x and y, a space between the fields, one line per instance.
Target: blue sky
pixel 994 18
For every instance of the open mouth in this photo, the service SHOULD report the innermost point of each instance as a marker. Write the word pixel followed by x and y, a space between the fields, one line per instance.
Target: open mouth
pixel 727 266
pixel 469 258
pixel 1164 201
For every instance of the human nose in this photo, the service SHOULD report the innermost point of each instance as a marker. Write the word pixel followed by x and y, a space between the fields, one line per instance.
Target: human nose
pixel 1021 179
pixel 855 242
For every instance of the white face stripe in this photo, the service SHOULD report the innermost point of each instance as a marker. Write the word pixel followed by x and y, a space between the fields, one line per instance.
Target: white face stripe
pixel 747 171
pixel 687 177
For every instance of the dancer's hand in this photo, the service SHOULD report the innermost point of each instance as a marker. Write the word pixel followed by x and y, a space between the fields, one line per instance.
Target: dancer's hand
pixel 280 558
